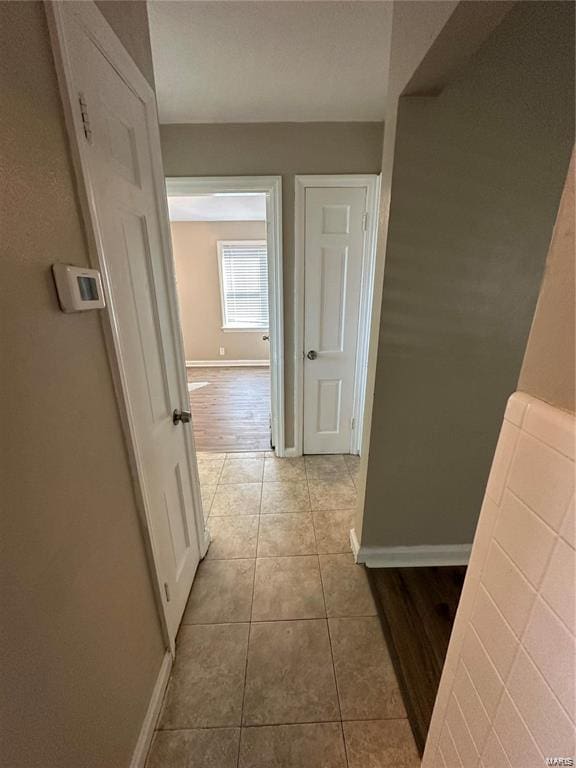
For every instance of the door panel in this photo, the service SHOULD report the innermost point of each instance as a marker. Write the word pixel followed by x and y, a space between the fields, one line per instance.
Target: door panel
pixel 124 198
pixel 333 249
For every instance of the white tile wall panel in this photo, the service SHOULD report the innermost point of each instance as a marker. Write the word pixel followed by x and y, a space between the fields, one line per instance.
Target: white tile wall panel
pixel 507 694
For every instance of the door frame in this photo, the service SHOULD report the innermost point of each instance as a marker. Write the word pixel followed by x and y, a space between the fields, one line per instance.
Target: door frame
pixel 60 15
pixel 371 182
pixel 271 186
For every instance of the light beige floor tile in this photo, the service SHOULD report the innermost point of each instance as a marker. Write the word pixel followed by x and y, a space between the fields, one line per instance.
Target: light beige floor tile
pixel 316 745
pixel 333 494
pixel 381 744
pixel 287 588
pixel 206 748
pixel 353 465
pixel 209 470
pixel 269 454
pixel 221 593
pixel 289 534
pixel 242 471
pixel 285 497
pixel 284 470
pixel 246 455
pixel 209 456
pixel 233 537
pixel 236 499
pixel 208 492
pixel 325 467
pixel 367 685
pixel 289 677
pixel 346 588
pixel 208 678
pixel 333 530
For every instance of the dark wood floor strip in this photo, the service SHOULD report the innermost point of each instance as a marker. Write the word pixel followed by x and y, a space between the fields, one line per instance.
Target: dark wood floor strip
pixel 417 607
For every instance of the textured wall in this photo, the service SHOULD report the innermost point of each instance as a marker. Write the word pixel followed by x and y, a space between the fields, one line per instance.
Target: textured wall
pixel 549 365
pixel 81 642
pixel 506 697
pixel 478 173
pixel 284 149
pixel 194 244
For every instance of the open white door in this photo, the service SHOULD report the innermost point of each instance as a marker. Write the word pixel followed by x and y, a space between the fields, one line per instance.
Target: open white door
pixel 113 119
pixel 333 251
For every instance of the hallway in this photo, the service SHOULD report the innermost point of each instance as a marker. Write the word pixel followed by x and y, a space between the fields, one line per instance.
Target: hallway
pixel 281 661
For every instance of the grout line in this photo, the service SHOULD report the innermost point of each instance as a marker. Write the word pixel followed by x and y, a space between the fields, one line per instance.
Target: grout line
pixel 330 642
pixel 297 722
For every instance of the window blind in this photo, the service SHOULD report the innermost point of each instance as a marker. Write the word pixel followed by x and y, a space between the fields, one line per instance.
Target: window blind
pixel 244 284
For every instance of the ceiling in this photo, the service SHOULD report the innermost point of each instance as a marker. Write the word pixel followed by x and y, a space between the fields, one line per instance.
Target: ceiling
pixel 235 62
pixel 217 207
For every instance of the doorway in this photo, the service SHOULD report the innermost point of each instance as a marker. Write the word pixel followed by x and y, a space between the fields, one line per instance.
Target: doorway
pixel 336 228
pixel 226 237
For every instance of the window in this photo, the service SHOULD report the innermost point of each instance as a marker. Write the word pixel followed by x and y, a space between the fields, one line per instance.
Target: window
pixel 243 267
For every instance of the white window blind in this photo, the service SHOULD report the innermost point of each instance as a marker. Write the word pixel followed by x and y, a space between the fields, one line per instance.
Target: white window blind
pixel 243 266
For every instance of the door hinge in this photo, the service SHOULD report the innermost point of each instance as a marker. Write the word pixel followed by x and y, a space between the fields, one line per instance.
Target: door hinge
pixel 85 119
pixel 365 221
pixel 167 591
pixel 353 422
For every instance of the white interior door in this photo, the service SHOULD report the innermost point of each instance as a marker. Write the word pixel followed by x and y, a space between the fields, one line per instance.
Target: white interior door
pixel 117 148
pixel 333 251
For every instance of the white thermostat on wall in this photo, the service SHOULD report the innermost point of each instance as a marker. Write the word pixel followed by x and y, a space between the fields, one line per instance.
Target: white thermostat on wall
pixel 78 288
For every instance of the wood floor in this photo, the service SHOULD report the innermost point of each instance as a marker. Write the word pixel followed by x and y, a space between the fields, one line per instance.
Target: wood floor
pixel 232 413
pixel 417 607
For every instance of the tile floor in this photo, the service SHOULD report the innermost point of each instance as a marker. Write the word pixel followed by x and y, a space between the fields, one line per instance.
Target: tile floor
pixel 280 659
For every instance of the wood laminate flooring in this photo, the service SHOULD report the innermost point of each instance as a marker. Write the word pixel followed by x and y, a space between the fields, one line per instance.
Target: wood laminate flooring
pixel 417 607
pixel 232 413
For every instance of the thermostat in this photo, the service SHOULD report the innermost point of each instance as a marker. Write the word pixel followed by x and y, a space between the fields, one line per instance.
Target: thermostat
pixel 78 288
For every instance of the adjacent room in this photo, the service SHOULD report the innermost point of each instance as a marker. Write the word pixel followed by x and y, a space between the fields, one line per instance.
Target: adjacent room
pixel 220 258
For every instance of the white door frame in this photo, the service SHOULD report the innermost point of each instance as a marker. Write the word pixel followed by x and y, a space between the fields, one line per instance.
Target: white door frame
pixel 98 30
pixel 372 184
pixel 271 186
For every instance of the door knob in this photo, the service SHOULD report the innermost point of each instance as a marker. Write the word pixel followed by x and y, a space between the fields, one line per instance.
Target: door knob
pixel 312 355
pixel 181 416
pixel 265 338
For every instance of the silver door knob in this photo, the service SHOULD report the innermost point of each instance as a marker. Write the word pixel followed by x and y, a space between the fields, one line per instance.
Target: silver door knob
pixel 312 355
pixel 181 416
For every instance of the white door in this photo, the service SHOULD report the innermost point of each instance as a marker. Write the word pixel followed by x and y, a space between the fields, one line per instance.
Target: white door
pixel 118 149
pixel 333 251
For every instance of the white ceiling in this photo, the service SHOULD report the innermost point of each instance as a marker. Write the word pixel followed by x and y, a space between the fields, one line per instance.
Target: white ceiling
pixel 229 61
pixel 218 207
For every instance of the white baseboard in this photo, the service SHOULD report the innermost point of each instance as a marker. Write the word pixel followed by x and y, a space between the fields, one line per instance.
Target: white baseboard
pixel 291 453
pixel 147 731
pixel 227 363
pixel 409 557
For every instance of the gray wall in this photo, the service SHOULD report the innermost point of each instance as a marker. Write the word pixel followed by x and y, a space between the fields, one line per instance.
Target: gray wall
pixel 129 19
pixel 81 644
pixel 285 149
pixel 477 178
pixel 549 366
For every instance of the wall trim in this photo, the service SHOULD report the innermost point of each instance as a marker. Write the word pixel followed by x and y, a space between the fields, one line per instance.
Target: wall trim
pixel 410 557
pixel 152 713
pixel 227 363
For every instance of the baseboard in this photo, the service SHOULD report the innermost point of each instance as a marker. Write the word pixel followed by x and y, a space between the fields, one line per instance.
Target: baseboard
pixel 147 731
pixel 410 557
pixel 291 453
pixel 227 363
pixel 354 544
